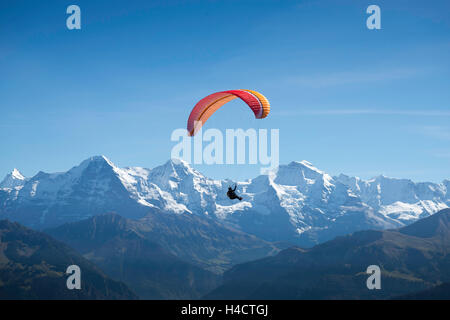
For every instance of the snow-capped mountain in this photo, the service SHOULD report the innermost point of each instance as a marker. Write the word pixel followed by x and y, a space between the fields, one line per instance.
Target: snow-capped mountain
pixel 297 202
pixel 400 199
pixel 13 180
pixel 95 186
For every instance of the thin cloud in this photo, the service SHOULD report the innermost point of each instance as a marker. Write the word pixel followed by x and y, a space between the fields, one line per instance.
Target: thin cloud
pixel 343 78
pixel 350 112
pixel 438 132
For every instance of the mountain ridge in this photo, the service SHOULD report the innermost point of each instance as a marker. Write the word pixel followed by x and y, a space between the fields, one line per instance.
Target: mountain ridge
pixel 296 202
pixel 119 247
pixel 201 242
pixel 411 259
pixel 33 266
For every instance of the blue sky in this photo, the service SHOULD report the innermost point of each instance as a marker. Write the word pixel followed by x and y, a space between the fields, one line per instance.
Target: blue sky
pixel 348 99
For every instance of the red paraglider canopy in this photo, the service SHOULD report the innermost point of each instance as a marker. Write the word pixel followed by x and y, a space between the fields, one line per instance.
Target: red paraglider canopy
pixel 210 104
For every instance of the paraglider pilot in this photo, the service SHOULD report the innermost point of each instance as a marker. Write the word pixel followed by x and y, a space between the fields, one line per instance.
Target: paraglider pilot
pixel 232 194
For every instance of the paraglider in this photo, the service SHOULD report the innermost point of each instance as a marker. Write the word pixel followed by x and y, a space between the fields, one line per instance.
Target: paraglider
pixel 207 106
pixel 210 104
pixel 231 193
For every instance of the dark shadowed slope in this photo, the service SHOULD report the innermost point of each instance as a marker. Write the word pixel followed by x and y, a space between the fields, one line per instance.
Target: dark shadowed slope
pixel 122 250
pixel 440 292
pixel 411 259
pixel 33 265
pixel 435 226
pixel 203 241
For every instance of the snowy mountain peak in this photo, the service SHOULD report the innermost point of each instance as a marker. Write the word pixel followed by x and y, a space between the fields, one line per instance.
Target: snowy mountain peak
pixel 101 160
pixel 177 168
pixel 305 166
pixel 17 175
pixel 93 163
pixel 301 173
pixel 179 163
pixel 13 179
pixel 310 166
